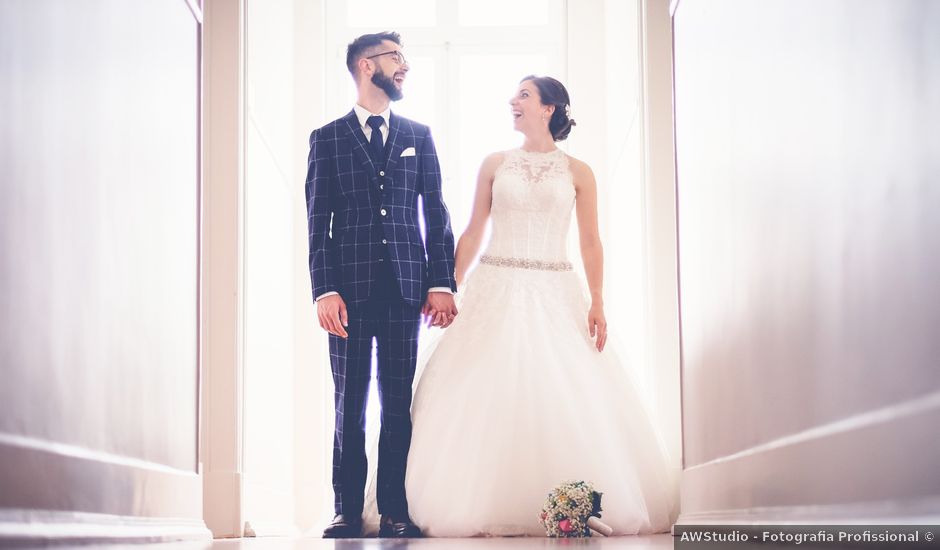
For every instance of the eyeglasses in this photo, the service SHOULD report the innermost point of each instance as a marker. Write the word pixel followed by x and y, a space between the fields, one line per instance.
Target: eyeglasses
pixel 399 57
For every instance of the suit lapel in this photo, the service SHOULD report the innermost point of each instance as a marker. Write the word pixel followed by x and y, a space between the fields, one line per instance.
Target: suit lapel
pixel 393 148
pixel 357 140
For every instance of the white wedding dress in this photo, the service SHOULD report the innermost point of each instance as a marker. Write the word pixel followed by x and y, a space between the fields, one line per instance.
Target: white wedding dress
pixel 513 398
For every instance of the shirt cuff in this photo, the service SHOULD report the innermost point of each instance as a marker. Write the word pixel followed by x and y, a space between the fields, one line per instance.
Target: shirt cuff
pixel 324 295
pixel 441 289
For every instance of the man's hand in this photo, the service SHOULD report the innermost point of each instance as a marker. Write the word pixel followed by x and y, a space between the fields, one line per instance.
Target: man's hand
pixel 439 310
pixel 331 310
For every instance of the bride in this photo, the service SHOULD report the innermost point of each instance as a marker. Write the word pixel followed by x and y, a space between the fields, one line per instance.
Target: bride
pixel 518 395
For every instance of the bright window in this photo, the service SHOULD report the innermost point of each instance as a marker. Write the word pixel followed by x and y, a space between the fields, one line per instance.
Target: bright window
pixel 500 13
pixel 382 13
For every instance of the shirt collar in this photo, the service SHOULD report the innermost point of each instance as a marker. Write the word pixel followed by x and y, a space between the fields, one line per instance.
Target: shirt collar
pixel 363 115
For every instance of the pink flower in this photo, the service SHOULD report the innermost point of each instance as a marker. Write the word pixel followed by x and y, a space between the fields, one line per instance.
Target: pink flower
pixel 565 526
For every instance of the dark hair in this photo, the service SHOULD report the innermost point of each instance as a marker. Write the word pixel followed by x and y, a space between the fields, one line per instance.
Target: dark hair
pixel 357 47
pixel 554 93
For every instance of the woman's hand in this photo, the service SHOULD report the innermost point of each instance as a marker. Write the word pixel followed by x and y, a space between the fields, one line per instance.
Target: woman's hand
pixel 597 324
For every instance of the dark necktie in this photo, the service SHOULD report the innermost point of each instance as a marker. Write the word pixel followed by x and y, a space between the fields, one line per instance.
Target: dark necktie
pixel 375 142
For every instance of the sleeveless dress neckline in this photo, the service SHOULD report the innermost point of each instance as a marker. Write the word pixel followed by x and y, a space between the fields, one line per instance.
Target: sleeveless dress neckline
pixel 553 151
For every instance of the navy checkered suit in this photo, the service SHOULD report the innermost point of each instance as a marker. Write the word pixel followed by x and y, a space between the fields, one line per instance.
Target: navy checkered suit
pixel 365 244
pixel 346 195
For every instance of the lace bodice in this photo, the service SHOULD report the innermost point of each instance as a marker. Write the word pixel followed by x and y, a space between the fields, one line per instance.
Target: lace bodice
pixel 533 196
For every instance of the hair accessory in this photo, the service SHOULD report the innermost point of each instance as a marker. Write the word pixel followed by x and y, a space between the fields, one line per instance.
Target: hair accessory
pixel 567 110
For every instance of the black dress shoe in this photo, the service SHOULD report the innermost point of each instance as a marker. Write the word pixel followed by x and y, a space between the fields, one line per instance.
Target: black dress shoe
pixel 398 528
pixel 343 527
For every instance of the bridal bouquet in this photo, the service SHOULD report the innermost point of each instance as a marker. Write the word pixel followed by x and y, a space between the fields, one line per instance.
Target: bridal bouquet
pixel 573 509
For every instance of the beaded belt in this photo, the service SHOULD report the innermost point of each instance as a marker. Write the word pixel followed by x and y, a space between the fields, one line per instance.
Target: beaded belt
pixel 525 264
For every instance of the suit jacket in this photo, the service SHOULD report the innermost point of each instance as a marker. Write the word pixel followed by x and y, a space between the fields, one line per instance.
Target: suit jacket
pixel 359 213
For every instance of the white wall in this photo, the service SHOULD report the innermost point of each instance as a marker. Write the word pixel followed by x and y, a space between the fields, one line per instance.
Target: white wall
pixel 610 88
pixel 807 169
pixel 99 236
pixel 313 384
pixel 660 279
pixel 613 98
pixel 265 437
pixel 221 435
pixel 270 185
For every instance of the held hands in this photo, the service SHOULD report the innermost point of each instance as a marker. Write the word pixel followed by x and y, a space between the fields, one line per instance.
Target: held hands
pixel 331 311
pixel 439 310
pixel 597 324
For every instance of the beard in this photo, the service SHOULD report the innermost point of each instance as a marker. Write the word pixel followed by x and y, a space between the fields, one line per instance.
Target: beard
pixel 387 85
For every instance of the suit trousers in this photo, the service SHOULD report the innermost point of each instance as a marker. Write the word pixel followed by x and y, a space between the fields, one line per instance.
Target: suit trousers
pixel 394 326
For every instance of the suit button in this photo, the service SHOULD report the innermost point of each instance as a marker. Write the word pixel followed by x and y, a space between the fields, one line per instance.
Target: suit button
pixel 381 187
pixel 382 211
pixel 384 241
pixel 381 172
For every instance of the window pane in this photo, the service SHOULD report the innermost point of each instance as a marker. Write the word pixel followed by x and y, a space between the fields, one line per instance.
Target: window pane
pixel 420 93
pixel 390 15
pixel 485 84
pixel 501 13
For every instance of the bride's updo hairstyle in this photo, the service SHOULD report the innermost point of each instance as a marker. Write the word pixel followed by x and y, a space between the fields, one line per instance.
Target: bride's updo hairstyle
pixel 554 93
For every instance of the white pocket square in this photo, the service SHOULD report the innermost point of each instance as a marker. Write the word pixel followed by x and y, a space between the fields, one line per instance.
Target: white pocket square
pixel 409 152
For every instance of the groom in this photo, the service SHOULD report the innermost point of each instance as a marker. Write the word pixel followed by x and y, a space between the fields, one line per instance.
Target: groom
pixel 373 275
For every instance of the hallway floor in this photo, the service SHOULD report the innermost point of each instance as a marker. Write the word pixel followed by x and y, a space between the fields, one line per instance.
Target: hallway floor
pixel 651 542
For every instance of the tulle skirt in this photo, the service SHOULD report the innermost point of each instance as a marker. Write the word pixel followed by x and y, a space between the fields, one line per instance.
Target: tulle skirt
pixel 514 399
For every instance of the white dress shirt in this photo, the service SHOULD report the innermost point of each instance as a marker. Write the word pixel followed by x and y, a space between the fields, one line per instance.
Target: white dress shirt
pixel 363 115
